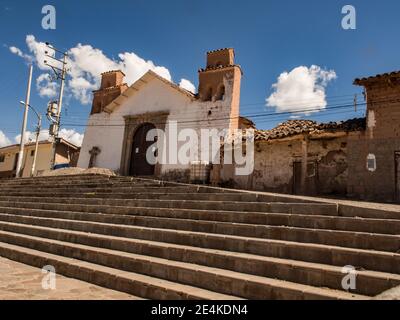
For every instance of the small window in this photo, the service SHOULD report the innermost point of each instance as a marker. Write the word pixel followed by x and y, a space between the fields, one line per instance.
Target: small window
pixel 371 163
pixel 32 153
pixel 2 158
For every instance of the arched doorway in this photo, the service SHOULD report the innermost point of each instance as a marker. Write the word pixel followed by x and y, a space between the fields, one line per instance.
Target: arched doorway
pixel 139 165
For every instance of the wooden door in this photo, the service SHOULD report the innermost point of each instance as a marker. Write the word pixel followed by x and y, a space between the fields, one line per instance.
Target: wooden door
pixel 297 177
pixel 139 165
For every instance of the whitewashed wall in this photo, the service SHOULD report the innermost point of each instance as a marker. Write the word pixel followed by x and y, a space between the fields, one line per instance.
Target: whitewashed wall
pixel 106 131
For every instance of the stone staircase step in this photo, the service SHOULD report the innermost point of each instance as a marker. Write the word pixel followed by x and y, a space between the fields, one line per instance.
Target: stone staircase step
pixel 213 279
pixel 45 181
pixel 128 282
pixel 155 195
pixel 350 239
pixel 319 275
pixel 309 252
pixel 72 191
pixel 255 218
pixel 89 183
pixel 309 208
pixel 54 178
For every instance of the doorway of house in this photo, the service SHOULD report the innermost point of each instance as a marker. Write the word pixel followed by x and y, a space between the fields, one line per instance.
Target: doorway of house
pixel 310 180
pixel 297 189
pixel 139 165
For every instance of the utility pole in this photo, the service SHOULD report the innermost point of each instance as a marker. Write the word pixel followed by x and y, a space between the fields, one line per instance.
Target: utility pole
pixel 36 146
pixel 18 172
pixel 38 128
pixel 60 74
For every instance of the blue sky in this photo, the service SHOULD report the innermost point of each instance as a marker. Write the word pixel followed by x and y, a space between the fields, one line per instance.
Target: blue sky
pixel 269 36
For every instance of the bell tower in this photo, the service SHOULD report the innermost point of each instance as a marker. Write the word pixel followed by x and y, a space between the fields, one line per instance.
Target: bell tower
pixel 220 82
pixel 111 87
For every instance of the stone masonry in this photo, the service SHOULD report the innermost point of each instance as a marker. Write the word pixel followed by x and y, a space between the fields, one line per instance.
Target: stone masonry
pixel 159 240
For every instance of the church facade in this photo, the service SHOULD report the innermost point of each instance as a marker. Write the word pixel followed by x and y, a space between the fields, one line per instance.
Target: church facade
pixel 122 115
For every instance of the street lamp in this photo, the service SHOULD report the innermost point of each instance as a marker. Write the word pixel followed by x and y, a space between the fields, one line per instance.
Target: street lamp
pixel 39 125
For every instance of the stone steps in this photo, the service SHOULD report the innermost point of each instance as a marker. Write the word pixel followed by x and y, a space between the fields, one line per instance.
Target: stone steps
pixel 87 184
pixel 362 240
pixel 309 208
pixel 318 275
pixel 155 195
pixel 129 282
pixel 255 218
pixel 100 190
pixel 57 180
pixel 216 280
pixel 318 253
pixel 163 240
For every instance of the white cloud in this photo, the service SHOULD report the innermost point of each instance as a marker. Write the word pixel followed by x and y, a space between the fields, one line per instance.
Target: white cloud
pixel 187 85
pixel 86 65
pixel 81 89
pixel 31 136
pixel 19 53
pixel 301 89
pixel 72 136
pixel 4 141
pixel 46 86
pixel 68 134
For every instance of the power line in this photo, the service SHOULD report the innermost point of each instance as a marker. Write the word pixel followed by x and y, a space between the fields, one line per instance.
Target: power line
pixel 245 115
pixel 259 115
pixel 213 120
pixel 296 103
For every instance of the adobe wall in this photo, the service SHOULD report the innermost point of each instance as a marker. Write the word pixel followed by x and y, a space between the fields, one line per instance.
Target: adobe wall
pixel 327 171
pixel 381 139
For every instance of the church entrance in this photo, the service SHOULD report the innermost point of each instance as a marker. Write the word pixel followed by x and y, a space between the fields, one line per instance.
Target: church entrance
pixel 139 165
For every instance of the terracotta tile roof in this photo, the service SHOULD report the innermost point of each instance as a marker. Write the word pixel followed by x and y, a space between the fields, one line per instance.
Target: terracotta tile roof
pixel 376 77
pixel 295 127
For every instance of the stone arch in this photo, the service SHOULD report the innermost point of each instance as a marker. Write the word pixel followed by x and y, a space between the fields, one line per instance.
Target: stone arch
pixel 132 124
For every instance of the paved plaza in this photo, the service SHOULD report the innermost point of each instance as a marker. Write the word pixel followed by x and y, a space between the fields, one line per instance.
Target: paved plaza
pixel 22 282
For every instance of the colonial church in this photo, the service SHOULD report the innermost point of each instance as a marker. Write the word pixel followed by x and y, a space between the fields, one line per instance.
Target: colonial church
pixel 122 115
pixel 359 158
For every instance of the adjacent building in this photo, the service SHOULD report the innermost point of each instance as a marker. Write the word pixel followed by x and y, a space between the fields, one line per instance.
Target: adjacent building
pixel 66 155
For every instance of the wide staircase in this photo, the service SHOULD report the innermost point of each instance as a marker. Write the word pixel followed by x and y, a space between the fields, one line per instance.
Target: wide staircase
pixel 158 240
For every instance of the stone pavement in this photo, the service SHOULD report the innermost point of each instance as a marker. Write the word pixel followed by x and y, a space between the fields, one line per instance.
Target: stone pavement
pixel 22 282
